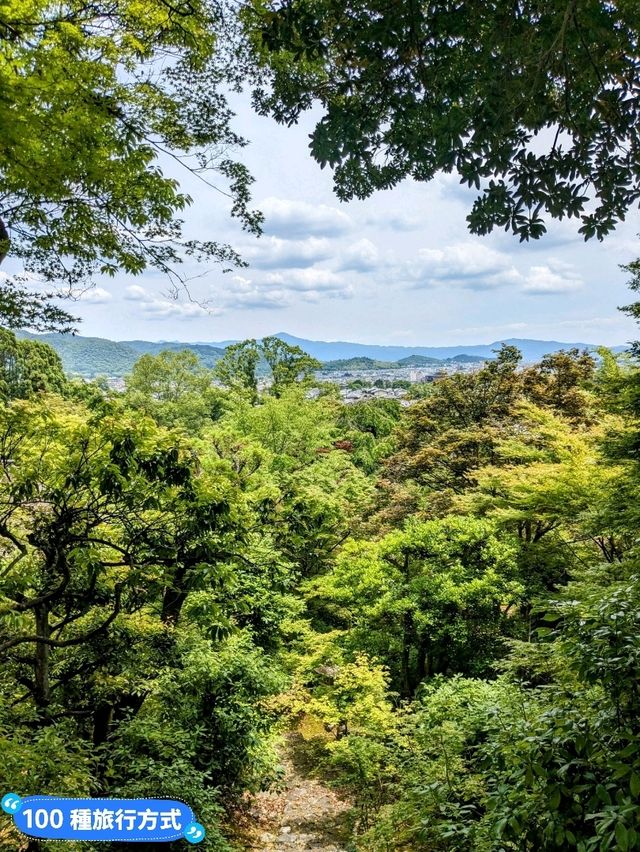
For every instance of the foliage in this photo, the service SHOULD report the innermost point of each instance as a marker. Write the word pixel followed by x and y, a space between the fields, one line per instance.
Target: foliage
pixel 118 582
pixel 369 426
pixel 575 777
pixel 453 430
pixel 436 794
pixel 427 599
pixel 529 104
pixel 175 389
pixel 560 382
pixel 28 367
pixel 237 368
pixel 446 593
pixel 94 96
pixel 90 357
pixel 287 365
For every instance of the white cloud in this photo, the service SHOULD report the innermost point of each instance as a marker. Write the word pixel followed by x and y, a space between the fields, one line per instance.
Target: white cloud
pixel 449 188
pixel 95 296
pixel 395 220
pixel 245 294
pixel 276 253
pixel 362 256
pixel 159 308
pixel 89 295
pixel 136 293
pixel 469 265
pixel 293 220
pixel 281 289
pixel 306 280
pixel 554 277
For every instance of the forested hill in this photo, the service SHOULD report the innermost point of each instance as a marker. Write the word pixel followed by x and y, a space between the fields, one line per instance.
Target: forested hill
pixel 98 356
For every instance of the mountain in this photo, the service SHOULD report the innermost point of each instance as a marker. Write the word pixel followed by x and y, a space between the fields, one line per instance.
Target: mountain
pixel 98 356
pixel 359 364
pixel 466 359
pixel 532 350
pixel 207 353
pixel 89 356
pixel 418 361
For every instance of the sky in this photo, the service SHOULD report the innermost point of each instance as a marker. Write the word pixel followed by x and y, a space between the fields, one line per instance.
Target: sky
pixel 398 268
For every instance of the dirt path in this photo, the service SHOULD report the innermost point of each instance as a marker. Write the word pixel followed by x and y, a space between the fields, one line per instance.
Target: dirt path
pixel 304 815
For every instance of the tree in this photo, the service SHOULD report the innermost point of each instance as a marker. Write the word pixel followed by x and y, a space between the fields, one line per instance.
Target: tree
pixel 93 97
pixel 427 599
pixel 175 389
pixel 550 487
pixel 561 381
pixel 133 577
pixel 530 103
pixel 320 493
pixel 28 367
pixel 573 779
pixel 93 520
pixel 453 431
pixel 369 426
pixel 237 368
pixel 288 364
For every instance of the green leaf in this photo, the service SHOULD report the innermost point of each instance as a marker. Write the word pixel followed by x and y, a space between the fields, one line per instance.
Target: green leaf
pixel 622 837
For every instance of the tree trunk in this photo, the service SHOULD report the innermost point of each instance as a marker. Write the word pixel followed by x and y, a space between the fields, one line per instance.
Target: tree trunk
pixel 5 242
pixel 407 625
pixel 102 716
pixel 423 668
pixel 42 693
pixel 173 598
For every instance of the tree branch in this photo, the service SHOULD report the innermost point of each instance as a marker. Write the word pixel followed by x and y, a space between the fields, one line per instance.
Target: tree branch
pixel 77 640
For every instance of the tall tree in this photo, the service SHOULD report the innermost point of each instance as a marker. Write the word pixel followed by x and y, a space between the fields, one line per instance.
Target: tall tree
pixel 425 600
pixel 288 364
pixel 28 367
pixel 452 432
pixel 175 389
pixel 561 381
pixel 237 368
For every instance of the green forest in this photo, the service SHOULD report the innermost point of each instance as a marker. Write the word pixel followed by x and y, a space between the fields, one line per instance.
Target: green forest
pixel 430 612
pixel 440 603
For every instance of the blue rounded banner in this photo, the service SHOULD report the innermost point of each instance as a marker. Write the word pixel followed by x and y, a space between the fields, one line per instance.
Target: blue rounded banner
pixel 133 820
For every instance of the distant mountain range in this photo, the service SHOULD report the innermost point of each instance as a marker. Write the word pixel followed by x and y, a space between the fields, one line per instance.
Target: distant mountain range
pixel 95 356
pixel 532 350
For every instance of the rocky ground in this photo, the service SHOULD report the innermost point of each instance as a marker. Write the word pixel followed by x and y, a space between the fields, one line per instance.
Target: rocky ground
pixel 303 815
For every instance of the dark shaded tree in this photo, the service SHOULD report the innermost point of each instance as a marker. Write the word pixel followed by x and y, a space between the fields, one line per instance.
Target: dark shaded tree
pixel 533 104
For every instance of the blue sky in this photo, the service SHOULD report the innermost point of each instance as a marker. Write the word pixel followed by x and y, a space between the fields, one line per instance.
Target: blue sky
pixel 399 267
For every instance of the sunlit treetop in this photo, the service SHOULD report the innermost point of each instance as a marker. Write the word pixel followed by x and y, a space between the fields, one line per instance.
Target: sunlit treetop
pixel 535 104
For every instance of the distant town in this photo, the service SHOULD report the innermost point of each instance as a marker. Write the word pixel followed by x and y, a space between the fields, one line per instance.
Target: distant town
pixel 360 381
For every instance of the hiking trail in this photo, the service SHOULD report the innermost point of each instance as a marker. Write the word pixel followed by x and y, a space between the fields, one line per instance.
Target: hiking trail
pixel 303 815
